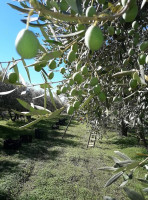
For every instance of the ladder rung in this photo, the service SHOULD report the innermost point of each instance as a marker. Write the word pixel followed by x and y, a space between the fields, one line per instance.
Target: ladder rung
pixel 92 139
pixel 90 145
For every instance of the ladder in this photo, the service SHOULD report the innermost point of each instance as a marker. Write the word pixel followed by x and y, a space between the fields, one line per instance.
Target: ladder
pixel 92 140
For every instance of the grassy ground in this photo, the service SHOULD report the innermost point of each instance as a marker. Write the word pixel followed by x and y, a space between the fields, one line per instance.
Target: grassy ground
pixel 61 169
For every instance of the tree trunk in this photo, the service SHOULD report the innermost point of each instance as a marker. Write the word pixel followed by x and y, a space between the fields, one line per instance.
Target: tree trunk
pixel 142 139
pixel 124 128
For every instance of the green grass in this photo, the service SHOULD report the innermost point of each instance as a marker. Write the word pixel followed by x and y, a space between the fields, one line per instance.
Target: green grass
pixel 61 169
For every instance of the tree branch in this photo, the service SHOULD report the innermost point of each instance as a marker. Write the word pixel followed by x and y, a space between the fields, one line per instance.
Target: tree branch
pixel 69 18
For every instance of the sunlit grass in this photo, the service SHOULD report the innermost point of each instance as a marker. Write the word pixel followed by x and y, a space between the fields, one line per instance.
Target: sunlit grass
pixel 61 169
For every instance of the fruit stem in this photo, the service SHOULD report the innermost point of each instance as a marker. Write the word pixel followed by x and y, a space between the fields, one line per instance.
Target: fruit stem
pixel 28 18
pixel 92 1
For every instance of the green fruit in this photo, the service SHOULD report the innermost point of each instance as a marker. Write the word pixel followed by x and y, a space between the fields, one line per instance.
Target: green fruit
pixel 131 52
pixel 97 89
pixel 142 59
pixel 133 83
pixel 94 38
pixel 131 32
pixel 102 96
pixel 58 92
pixel 136 77
pixel 117 98
pixel 135 41
pixel 80 92
pixel 84 70
pixel 146 60
pixel 80 27
pixel 125 62
pixel 74 47
pixel 94 81
pixel 144 46
pixel 90 11
pixel 70 82
pixel 73 92
pixel 76 105
pixel 70 110
pixel 63 5
pixel 78 66
pixel 71 56
pixel 62 70
pixel 12 77
pixel 90 91
pixel 135 25
pixel 26 44
pixel 117 31
pixel 105 6
pixel 77 77
pixel 130 14
pixel 37 68
pixel 50 75
pixel 124 2
pixel 111 30
pixel 52 64
pixel 64 89
pixel 101 1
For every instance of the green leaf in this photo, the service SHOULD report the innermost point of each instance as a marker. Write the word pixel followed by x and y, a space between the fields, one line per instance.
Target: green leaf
pixel 108 198
pixel 43 32
pixel 25 66
pixel 42 109
pixel 37 63
pixel 128 167
pixel 123 183
pixel 7 92
pixel 26 105
pixel 44 77
pixel 54 4
pixel 55 113
pixel 53 42
pixel 71 34
pixel 45 98
pixel 32 110
pixel 122 155
pixel 51 55
pixel 86 101
pixel 21 113
pixel 34 25
pixel 145 190
pixel 15 68
pixel 52 98
pixel 142 180
pixel 143 3
pixel 116 160
pixel 38 96
pixel 75 5
pixel 31 123
pixel 23 10
pixel 133 195
pixel 114 8
pixel 113 179
pixel 108 168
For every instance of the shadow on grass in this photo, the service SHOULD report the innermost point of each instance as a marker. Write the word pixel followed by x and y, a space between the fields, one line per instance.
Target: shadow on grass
pixel 7 132
pixel 5 196
pixel 6 165
pixel 123 142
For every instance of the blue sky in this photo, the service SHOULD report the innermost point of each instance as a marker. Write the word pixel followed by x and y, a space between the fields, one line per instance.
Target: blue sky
pixel 10 26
